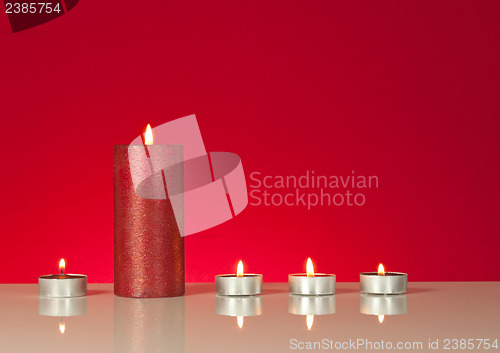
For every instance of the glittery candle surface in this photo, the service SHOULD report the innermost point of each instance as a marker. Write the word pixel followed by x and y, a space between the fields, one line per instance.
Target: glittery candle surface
pixel 148 248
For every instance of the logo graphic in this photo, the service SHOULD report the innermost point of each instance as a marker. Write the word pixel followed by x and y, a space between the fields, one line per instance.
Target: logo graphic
pixel 205 189
pixel 24 15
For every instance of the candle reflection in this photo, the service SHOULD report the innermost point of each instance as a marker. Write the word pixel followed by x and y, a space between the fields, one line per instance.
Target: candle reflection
pixel 310 306
pixel 383 305
pixel 309 321
pixel 148 325
pixel 240 320
pixel 62 307
pixel 240 307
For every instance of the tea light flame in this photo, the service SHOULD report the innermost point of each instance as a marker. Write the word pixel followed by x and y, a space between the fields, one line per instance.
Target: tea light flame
pixel 381 270
pixel 381 318
pixel 310 268
pixel 148 136
pixel 62 266
pixel 310 321
pixel 62 327
pixel 239 320
pixel 239 270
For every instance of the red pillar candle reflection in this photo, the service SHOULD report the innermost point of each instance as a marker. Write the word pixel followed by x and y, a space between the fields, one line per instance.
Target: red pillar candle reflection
pixel 148 247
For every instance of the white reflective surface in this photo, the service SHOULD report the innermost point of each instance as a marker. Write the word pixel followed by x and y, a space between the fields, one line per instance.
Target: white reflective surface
pixel 191 324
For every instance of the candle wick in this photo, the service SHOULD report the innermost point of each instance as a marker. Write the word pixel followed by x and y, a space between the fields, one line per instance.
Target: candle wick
pixel 62 272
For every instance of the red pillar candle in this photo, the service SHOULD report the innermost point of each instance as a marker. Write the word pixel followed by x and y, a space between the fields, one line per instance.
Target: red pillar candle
pixel 148 247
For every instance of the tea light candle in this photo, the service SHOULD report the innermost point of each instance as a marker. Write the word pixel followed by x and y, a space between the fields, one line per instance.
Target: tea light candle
pixel 311 283
pixel 63 285
pixel 239 283
pixel 382 282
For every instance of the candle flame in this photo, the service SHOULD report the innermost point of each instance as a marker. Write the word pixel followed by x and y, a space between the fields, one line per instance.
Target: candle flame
pixel 62 327
pixel 381 318
pixel 240 320
pixel 239 270
pixel 62 265
pixel 310 268
pixel 148 136
pixel 381 270
pixel 310 321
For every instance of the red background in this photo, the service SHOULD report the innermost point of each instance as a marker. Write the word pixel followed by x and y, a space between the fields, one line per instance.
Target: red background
pixel 407 91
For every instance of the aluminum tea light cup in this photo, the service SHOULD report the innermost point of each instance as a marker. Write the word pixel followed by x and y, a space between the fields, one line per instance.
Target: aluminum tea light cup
pixel 311 283
pixel 62 285
pixel 239 283
pixel 382 282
